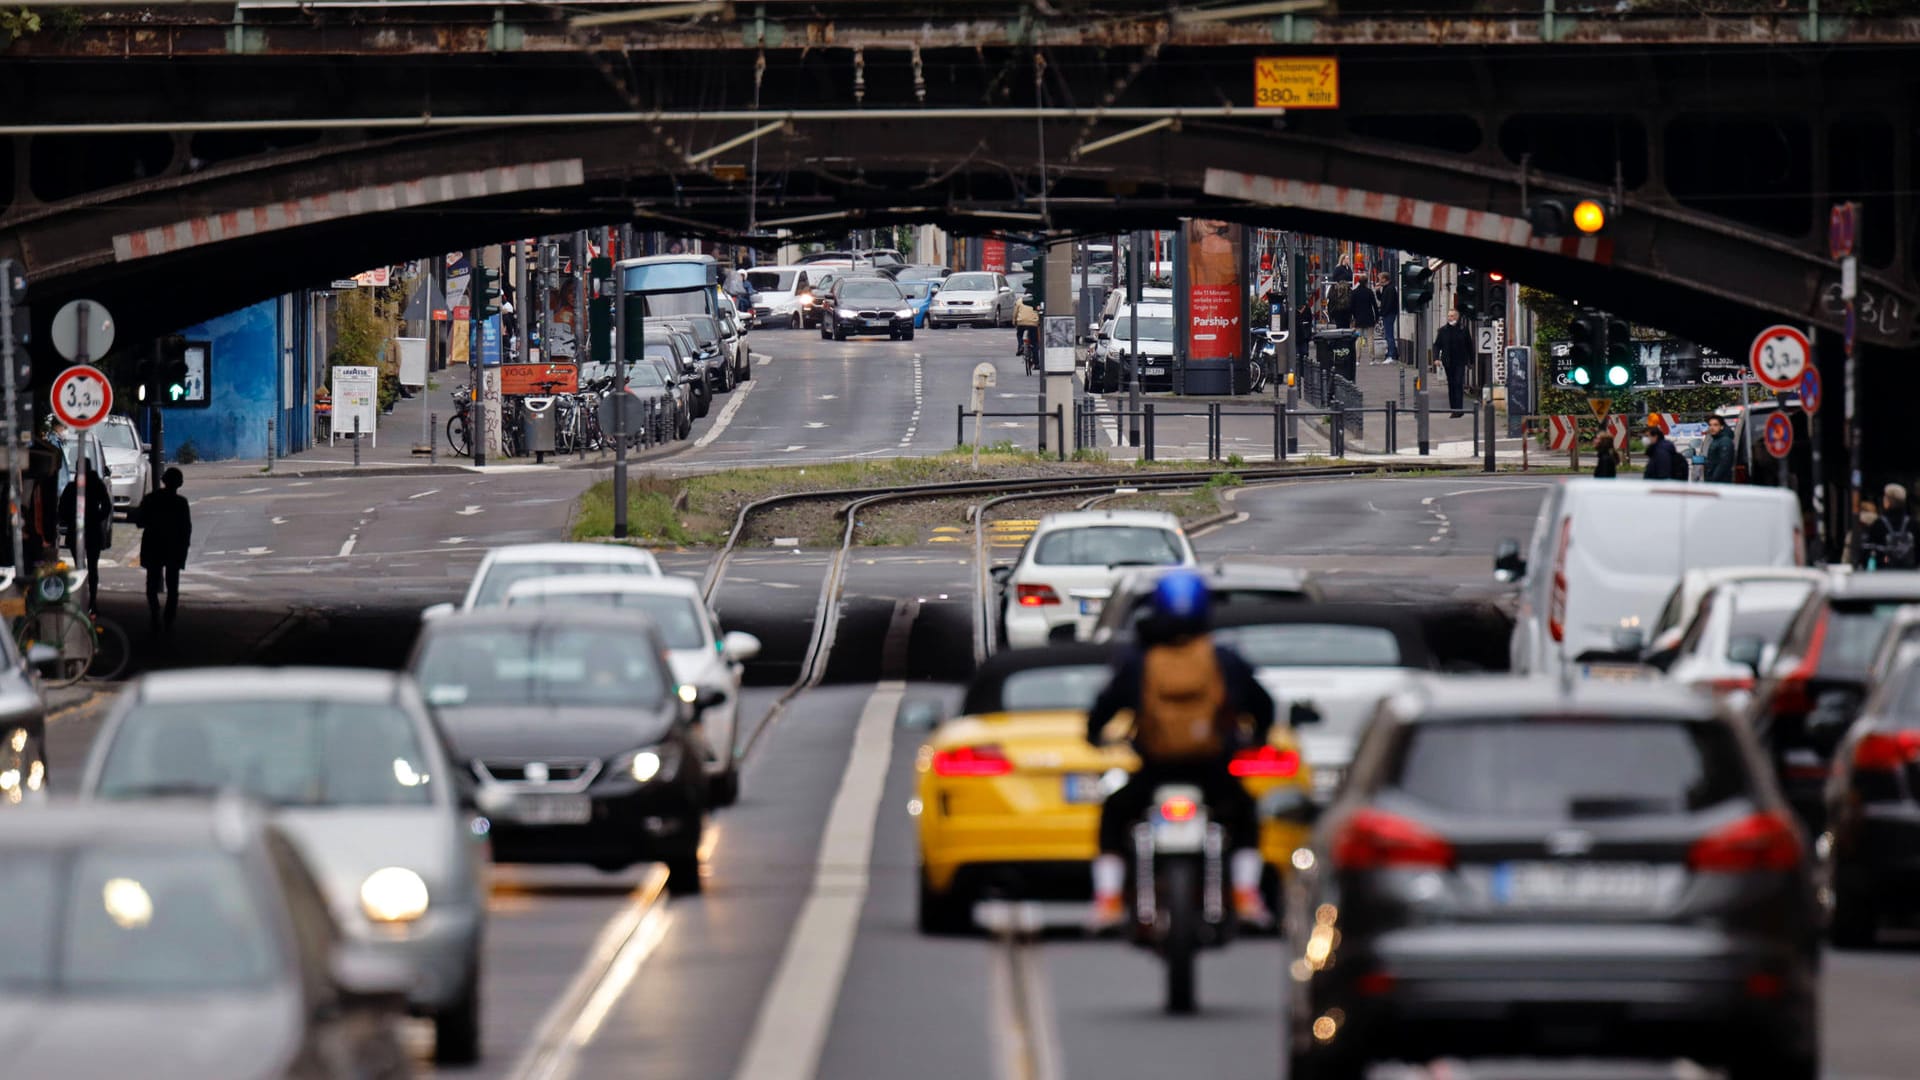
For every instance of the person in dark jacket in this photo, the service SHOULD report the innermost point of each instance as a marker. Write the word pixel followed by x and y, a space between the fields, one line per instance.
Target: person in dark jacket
pixel 1453 350
pixel 1365 306
pixel 166 534
pixel 1719 466
pixel 1390 316
pixel 1340 297
pixel 1606 461
pixel 1663 461
pixel 1302 329
pixel 1892 543
pixel 99 516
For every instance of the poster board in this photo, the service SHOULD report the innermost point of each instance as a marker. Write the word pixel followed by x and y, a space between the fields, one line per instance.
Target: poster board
pixel 356 393
pixel 413 360
pixel 1057 339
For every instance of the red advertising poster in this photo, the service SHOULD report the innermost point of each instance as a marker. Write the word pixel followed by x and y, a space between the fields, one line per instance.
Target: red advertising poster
pixel 1214 296
pixel 993 256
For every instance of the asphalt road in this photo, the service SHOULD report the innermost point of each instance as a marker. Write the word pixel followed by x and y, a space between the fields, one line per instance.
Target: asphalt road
pixel 801 959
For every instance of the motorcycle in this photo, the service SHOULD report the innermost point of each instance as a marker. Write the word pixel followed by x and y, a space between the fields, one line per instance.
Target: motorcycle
pixel 1181 897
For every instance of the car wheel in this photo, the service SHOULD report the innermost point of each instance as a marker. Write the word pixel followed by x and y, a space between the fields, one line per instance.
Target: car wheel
pixel 907 334
pixel 456 1030
pixel 839 333
pixel 724 789
pixel 1307 1065
pixel 1854 923
pixel 683 874
pixel 726 378
pixel 823 330
pixel 1758 1064
pixel 943 914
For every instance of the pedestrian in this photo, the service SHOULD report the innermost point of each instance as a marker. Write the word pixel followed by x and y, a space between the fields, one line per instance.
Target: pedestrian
pixel 166 532
pixel 1606 462
pixel 1719 447
pixel 1302 329
pixel 99 510
pixel 1365 306
pixel 1856 544
pixel 1663 461
pixel 1891 543
pixel 1453 350
pixel 1340 298
pixel 1390 316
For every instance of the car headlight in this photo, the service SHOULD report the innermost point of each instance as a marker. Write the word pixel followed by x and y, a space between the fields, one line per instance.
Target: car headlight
pixel 904 313
pixel 660 763
pixel 849 313
pixel 645 766
pixel 393 894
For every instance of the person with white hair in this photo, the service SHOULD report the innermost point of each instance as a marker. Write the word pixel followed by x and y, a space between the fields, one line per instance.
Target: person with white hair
pixel 1891 543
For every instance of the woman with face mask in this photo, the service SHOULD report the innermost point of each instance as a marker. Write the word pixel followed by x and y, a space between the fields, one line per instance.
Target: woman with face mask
pixel 1453 350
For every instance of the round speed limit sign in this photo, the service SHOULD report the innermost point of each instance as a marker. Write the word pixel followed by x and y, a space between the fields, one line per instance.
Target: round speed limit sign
pixel 82 396
pixel 1780 355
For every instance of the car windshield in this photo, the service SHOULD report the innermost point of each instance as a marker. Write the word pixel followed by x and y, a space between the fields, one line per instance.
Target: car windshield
pixel 116 920
pixel 644 374
pixel 1069 688
pixel 1555 768
pixel 542 664
pixel 501 576
pixel 969 283
pixel 115 436
pixel 703 330
pixel 287 752
pixel 916 290
pixel 1152 328
pixel 1110 545
pixel 1312 645
pixel 772 280
pixel 1853 633
pixel 681 623
pixel 883 291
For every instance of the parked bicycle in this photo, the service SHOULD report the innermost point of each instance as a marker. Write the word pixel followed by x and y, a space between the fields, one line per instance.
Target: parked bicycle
pixel 62 641
pixel 460 424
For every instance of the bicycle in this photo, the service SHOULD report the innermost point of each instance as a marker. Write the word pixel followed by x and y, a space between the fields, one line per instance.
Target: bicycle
pixel 460 424
pixel 83 644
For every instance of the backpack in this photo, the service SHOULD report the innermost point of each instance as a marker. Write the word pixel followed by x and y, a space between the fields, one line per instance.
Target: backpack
pixel 1340 297
pixel 1183 698
pixel 1900 544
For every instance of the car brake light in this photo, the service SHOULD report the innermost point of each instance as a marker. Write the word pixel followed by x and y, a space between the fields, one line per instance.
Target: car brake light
pixel 1265 761
pixel 986 760
pixel 1887 751
pixel 1035 595
pixel 1179 808
pixel 1730 684
pixel 1790 695
pixel 1374 839
pixel 1557 600
pixel 1757 842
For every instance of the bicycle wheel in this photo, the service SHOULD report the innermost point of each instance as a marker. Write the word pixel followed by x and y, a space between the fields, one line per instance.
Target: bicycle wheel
pixel 69 634
pixel 110 650
pixel 457 436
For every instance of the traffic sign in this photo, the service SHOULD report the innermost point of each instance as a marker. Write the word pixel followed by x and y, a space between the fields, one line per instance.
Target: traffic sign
pixel 77 318
pixel 1600 406
pixel 1296 82
pixel 82 396
pixel 1843 224
pixel 1563 432
pixel 1616 426
pixel 1779 356
pixel 1779 435
pixel 1810 391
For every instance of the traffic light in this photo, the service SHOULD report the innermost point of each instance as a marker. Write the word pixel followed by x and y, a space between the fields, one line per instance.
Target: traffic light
pixel 1416 286
pixel 171 370
pixel 1496 294
pixel 1623 367
pixel 486 292
pixel 1589 333
pixel 1559 217
pixel 1469 294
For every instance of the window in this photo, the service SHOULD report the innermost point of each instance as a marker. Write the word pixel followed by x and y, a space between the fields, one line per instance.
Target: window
pixel 543 665
pixel 1152 328
pixel 778 281
pixel 969 283
pixel 1110 545
pixel 1853 633
pixel 1569 768
pixel 669 276
pixel 680 620
pixel 281 751
pixel 502 575
pixel 877 292
pixel 1065 688
pixel 1313 645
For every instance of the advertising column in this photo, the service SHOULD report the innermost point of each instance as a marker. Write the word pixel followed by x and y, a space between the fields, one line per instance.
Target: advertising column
pixel 1216 304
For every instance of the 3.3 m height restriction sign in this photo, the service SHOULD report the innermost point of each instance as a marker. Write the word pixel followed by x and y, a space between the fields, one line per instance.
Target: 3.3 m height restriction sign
pixel 1780 355
pixel 82 396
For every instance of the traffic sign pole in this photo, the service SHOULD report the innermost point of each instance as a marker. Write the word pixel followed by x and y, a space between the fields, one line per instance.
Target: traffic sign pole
pixel 12 286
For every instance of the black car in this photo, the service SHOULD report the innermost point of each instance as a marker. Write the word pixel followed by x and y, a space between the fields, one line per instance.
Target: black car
pixel 1526 867
pixel 700 356
pixel 1872 846
pixel 1810 693
pixel 867 305
pixel 575 732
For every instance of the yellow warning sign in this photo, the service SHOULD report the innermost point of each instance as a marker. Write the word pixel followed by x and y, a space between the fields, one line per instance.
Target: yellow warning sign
pixel 1600 406
pixel 1296 82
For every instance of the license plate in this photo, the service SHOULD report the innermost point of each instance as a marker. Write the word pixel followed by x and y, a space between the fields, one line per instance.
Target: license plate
pixel 878 324
pixel 1326 779
pixel 1089 606
pixel 1615 672
pixel 1576 885
pixel 1083 788
pixel 552 809
pixel 1153 371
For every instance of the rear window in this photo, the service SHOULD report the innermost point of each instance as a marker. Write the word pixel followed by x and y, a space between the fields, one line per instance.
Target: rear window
pixel 771 280
pixel 1313 645
pixel 1069 688
pixel 1569 769
pixel 1109 545
pixel 1853 634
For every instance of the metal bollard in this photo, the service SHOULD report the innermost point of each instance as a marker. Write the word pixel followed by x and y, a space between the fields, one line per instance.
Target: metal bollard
pixel 959 425
pixel 1148 410
pixel 270 447
pixel 1060 429
pixel 1215 438
pixel 356 442
pixel 1279 429
pixel 1293 421
pixel 433 441
pixel 1337 429
pixel 1421 416
pixel 1403 383
pixel 1476 431
pixel 1393 428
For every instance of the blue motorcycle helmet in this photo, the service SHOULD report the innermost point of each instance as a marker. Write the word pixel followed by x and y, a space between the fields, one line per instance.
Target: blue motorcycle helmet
pixel 1181 606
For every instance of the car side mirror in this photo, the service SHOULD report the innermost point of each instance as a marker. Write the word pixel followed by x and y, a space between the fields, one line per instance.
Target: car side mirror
pixel 1001 573
pixel 1508 564
pixel 1747 650
pixel 1291 806
pixel 922 715
pixel 1303 713
pixel 437 611
pixel 707 698
pixel 739 646
pixel 370 978
pixel 146 448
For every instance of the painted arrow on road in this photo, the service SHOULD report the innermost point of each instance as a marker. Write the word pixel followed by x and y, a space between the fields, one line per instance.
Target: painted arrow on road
pixel 454 540
pixel 470 511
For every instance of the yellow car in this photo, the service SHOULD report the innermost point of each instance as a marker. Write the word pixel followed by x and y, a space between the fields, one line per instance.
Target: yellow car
pixel 1009 793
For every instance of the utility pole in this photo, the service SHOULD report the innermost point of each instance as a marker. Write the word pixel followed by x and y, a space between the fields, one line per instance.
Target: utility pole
pixel 619 404
pixel 476 404
pixel 522 310
pixel 13 287
pixel 1135 280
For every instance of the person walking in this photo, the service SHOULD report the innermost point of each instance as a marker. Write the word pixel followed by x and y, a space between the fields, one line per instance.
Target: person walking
pixel 1719 463
pixel 1856 542
pixel 1390 317
pixel 1891 541
pixel 99 511
pixel 1340 298
pixel 1365 306
pixel 1453 350
pixel 166 534
pixel 1606 461
pixel 1302 330
pixel 1663 461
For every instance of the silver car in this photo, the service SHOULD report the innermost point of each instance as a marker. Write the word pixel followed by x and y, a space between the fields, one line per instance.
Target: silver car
pixel 129 473
pixel 357 775
pixel 977 298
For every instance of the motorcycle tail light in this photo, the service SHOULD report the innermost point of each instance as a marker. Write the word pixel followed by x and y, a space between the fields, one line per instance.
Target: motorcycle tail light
pixel 1266 761
pixel 1179 808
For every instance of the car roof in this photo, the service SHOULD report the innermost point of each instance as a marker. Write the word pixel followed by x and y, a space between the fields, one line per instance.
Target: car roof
pixel 1398 621
pixel 267 683
pixel 576 584
pixel 1878 585
pixel 857 279
pixel 1221 574
pixel 572 617
pixel 226 822
pixel 571 553
pixel 1748 492
pixel 1151 309
pixel 1447 698
pixel 983 692
pixel 1080 519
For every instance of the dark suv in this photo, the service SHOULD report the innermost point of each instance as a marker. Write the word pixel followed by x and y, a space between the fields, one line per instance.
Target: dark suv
pixel 1872 846
pixel 866 305
pixel 1523 867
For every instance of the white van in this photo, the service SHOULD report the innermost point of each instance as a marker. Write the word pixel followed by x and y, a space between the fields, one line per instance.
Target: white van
pixel 1606 554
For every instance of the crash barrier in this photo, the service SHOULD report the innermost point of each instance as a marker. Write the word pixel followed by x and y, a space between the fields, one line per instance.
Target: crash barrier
pixel 1058 418
pixel 1324 384
pixel 1572 433
pixel 1340 421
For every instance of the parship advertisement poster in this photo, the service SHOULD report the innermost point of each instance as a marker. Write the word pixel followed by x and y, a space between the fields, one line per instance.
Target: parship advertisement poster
pixel 1214 295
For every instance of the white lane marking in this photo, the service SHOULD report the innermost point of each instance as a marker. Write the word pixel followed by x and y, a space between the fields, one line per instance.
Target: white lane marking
pixel 792 1027
pixel 279 521
pixel 1234 520
pixel 816 424
pixel 424 494
pixel 726 415
pixel 346 549
pixel 469 511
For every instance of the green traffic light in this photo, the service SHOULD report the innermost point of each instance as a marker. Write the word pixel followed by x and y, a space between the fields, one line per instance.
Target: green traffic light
pixel 1582 376
pixel 176 392
pixel 1617 375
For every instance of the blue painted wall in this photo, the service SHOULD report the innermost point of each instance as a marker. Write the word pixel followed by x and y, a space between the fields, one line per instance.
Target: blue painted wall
pixel 244 385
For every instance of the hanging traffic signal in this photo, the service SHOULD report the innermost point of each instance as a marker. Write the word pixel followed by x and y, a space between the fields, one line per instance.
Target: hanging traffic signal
pixel 486 292
pixel 1623 368
pixel 172 369
pixel 1589 345
pixel 1496 294
pixel 1469 294
pixel 1416 286
pixel 1559 217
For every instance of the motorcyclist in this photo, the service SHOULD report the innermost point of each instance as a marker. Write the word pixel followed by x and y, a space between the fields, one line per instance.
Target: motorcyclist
pixel 1187 695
